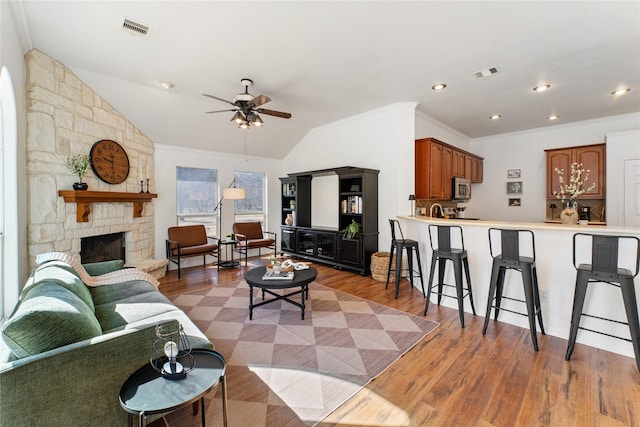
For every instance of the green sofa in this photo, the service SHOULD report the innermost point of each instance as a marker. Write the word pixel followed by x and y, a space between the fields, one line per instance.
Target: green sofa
pixel 67 348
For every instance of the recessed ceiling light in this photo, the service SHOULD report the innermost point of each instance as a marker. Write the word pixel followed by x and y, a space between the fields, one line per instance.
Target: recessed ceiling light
pixel 553 117
pixel 439 86
pixel 166 85
pixel 541 88
pixel 620 91
pixel 495 117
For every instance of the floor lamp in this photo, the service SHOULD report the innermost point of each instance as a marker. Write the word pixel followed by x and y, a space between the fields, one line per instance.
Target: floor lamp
pixel 229 193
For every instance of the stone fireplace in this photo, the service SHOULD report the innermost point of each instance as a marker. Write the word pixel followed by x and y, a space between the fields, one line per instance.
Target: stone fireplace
pixel 106 247
pixel 66 117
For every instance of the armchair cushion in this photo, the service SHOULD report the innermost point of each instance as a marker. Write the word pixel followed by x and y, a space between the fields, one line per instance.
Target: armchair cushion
pixel 251 230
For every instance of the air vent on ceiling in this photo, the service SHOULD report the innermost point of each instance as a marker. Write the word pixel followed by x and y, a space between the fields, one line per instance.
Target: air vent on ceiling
pixel 135 28
pixel 486 73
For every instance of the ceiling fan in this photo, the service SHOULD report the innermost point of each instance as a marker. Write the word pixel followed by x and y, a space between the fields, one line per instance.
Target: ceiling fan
pixel 247 107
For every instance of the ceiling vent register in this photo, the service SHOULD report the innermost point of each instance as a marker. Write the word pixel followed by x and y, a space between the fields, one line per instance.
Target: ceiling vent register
pixel 486 73
pixel 135 28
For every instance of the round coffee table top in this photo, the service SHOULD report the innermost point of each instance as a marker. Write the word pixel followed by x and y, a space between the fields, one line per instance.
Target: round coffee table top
pixel 300 277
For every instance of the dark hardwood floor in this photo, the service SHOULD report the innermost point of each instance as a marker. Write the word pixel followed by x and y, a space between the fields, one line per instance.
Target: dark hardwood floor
pixel 458 377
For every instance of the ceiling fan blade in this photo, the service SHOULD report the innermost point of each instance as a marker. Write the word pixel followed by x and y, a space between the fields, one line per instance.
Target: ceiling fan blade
pixel 274 113
pixel 219 99
pixel 259 100
pixel 220 111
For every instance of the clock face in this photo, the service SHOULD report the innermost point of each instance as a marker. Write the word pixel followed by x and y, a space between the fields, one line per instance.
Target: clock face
pixel 109 161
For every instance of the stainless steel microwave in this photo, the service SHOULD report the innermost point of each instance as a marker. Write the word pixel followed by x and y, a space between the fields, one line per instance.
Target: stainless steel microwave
pixel 461 188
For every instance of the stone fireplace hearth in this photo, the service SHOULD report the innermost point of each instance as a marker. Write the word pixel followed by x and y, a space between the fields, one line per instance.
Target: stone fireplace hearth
pixel 66 117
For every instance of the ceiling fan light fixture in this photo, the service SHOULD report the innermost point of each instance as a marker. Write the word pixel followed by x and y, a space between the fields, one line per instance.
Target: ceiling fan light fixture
pixel 244 124
pixel 257 121
pixel 238 117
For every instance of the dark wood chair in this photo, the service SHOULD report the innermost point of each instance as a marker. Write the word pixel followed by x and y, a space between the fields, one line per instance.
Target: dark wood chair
pixel 188 241
pixel 249 235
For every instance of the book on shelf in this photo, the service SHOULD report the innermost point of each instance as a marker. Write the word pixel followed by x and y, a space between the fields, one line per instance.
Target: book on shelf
pixel 272 275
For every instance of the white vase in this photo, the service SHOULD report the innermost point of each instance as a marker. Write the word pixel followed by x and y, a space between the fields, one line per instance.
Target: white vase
pixel 570 214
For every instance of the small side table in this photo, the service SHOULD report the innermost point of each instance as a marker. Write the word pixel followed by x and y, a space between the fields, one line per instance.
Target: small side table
pixel 145 392
pixel 228 262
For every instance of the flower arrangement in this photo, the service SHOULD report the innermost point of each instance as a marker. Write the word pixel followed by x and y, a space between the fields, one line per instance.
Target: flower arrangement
pixel 78 164
pixel 576 184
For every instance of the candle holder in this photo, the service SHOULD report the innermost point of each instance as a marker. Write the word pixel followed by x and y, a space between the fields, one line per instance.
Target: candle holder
pixel 147 185
pixel 141 186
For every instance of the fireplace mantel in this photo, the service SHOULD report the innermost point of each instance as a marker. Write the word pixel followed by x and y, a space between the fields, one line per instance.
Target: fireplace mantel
pixel 83 200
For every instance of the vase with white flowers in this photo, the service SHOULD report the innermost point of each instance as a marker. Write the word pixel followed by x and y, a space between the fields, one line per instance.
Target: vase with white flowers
pixel 571 190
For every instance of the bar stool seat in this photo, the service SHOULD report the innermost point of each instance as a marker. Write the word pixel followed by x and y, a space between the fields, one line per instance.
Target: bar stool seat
pixel 510 259
pixel 401 245
pixel 605 268
pixel 458 256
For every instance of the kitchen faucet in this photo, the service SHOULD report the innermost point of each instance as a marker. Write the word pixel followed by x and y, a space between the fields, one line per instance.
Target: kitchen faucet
pixel 431 209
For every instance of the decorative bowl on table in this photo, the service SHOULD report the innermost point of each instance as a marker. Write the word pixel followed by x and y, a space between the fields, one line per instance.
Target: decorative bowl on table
pixel 282 269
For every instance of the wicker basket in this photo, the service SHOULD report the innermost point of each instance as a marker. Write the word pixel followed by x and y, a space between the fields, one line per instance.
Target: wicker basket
pixel 380 265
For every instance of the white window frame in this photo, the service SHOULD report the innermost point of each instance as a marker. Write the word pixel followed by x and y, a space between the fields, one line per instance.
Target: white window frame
pixel 244 217
pixel 209 219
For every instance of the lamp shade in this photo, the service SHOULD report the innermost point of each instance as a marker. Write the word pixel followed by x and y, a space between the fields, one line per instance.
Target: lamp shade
pixel 233 193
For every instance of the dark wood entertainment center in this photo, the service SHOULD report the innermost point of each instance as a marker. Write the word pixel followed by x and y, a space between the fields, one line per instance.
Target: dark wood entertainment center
pixel 357 200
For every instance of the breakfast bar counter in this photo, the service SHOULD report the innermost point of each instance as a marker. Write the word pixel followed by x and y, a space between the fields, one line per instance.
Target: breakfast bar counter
pixel 556 276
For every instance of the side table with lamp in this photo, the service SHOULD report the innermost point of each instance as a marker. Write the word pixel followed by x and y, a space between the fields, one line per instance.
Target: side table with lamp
pixel 178 376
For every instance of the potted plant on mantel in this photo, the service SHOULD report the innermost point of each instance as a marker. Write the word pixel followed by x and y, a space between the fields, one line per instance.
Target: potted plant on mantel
pixel 79 165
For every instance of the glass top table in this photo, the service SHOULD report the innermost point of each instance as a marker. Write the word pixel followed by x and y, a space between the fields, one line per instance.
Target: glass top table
pixel 146 392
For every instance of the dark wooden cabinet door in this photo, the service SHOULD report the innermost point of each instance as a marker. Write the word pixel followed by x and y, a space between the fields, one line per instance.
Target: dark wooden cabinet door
pixel 458 164
pixel 593 159
pixel 447 171
pixel 468 167
pixel 435 171
pixel 560 159
pixel 351 252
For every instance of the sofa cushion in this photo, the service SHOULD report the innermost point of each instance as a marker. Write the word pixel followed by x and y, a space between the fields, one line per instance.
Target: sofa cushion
pixel 103 267
pixel 64 275
pixel 128 302
pixel 48 316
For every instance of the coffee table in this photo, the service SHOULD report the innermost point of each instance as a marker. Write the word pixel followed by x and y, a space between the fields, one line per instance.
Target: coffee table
pixel 145 392
pixel 301 280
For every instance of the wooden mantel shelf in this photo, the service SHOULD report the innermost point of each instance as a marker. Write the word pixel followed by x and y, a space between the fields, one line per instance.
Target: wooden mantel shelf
pixel 83 200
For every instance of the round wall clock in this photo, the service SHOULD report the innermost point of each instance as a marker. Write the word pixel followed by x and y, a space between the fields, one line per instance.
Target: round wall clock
pixel 109 161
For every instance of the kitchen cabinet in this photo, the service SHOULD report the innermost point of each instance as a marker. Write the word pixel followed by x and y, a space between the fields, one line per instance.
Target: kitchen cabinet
pixel 436 163
pixel 592 158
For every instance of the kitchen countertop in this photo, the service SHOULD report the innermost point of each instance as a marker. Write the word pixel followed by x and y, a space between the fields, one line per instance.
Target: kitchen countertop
pixel 595 228
pixel 556 273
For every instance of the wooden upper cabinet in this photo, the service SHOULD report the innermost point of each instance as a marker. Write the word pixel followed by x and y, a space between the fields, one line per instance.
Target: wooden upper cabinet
pixel 436 171
pixel 436 163
pixel 458 164
pixel 592 158
pixel 468 168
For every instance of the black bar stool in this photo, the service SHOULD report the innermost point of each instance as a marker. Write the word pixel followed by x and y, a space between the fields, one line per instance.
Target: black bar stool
pixel 403 244
pixel 440 254
pixel 604 268
pixel 510 259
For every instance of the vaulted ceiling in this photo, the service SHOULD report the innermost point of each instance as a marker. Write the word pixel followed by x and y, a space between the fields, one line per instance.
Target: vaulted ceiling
pixel 323 61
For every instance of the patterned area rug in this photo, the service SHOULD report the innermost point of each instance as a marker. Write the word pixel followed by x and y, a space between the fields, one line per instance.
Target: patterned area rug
pixel 282 370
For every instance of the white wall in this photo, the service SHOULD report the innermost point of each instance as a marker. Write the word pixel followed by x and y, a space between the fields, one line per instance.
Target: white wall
pixel 12 52
pixel 379 139
pixel 168 157
pixel 428 127
pixel 621 146
pixel 525 151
